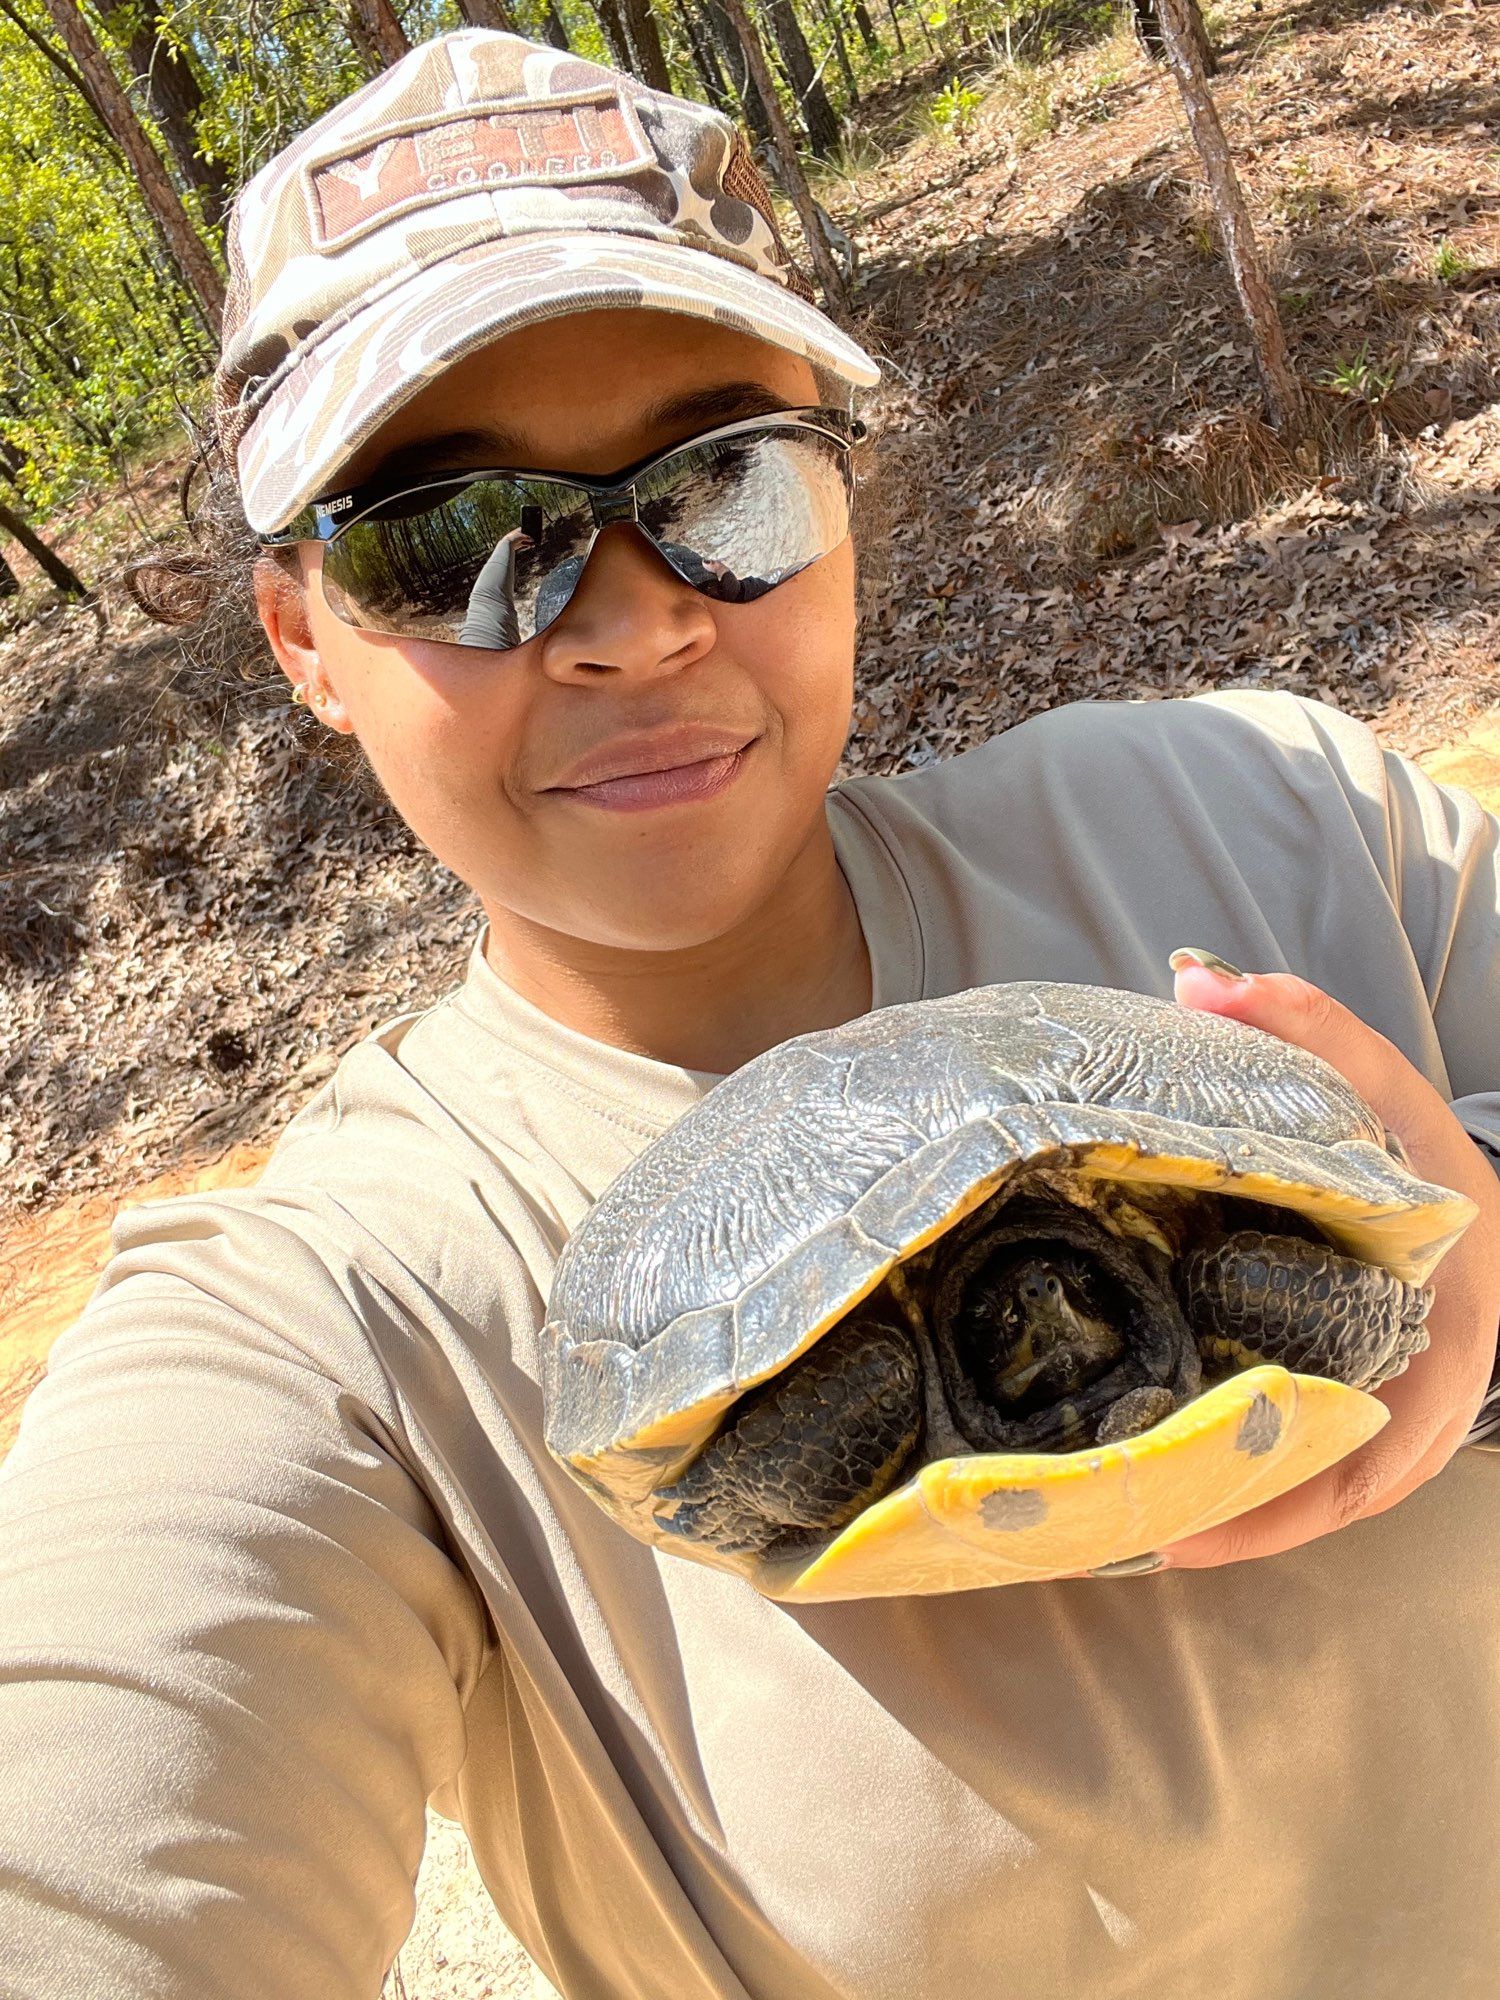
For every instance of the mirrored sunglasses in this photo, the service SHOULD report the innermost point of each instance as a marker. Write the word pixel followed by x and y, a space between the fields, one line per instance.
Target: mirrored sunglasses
pixel 491 557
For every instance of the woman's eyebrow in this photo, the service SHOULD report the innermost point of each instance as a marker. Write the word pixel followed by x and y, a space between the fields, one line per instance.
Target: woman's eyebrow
pixel 720 404
pixel 490 445
pixel 448 452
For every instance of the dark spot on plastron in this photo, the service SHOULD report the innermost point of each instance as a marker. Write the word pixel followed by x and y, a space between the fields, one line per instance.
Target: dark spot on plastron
pixel 1013 1508
pixel 1259 1428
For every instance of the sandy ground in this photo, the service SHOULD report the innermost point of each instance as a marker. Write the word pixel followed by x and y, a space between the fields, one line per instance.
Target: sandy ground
pixel 458 1948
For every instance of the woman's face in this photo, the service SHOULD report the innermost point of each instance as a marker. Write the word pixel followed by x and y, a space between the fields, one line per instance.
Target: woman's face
pixel 504 763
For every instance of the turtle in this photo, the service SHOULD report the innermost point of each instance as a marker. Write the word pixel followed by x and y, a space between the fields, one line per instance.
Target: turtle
pixel 1007 1284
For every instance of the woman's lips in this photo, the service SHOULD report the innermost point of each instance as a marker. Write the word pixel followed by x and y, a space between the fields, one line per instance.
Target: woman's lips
pixel 678 784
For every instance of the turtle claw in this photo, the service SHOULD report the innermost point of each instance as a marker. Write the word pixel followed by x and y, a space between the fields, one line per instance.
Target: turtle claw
pixel 1136 1411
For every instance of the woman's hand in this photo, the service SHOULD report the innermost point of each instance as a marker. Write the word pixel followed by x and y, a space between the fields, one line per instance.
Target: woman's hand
pixel 1434 1401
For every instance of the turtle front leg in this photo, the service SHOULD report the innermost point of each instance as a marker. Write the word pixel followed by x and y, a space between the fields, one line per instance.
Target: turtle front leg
pixel 1252 1298
pixel 808 1450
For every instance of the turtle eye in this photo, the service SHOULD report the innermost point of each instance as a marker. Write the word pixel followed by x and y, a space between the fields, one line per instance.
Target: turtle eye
pixel 1396 1150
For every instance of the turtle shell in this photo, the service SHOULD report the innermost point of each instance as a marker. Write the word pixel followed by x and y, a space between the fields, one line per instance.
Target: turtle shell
pixel 784 1197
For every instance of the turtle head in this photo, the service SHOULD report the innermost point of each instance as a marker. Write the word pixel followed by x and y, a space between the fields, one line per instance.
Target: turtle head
pixel 1043 1327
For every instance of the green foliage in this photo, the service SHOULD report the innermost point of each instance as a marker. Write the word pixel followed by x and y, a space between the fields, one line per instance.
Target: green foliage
pixel 1303 197
pixel 100 346
pixel 859 153
pixel 953 109
pixel 95 334
pixel 1359 377
pixel 1449 264
pixel 1095 106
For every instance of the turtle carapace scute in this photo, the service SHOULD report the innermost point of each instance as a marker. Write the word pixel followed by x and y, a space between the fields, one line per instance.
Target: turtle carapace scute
pixel 999 1286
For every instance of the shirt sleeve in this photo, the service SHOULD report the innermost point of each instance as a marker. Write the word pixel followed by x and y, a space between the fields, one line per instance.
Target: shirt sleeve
pixel 1448 852
pixel 1440 852
pixel 234 1651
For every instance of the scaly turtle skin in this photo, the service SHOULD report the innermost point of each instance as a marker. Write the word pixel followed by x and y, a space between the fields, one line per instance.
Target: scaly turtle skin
pixel 1009 1284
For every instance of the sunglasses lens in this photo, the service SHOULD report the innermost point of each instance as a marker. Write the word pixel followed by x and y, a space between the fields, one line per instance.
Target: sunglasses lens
pixel 738 517
pixel 463 563
pixel 491 562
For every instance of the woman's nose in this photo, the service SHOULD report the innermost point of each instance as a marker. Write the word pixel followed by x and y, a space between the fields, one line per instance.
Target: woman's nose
pixel 629 613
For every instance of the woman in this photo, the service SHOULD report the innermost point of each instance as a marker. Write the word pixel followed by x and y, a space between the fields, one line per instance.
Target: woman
pixel 284 1554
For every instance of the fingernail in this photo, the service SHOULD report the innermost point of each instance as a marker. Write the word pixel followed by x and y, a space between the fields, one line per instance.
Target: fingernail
pixel 1210 961
pixel 1132 1566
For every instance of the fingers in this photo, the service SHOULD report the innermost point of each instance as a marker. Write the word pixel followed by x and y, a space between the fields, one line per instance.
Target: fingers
pixel 1357 1489
pixel 1394 1088
pixel 1432 1403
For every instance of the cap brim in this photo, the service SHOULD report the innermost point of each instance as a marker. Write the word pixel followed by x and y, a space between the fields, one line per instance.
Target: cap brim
pixel 351 381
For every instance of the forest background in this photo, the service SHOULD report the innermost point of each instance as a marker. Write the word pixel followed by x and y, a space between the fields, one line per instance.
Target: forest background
pixel 1097 487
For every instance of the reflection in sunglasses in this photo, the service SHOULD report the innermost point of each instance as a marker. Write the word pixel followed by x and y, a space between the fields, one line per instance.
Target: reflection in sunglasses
pixel 491 618
pixel 497 561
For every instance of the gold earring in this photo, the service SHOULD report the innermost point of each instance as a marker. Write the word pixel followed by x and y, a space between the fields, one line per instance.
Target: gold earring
pixel 298 694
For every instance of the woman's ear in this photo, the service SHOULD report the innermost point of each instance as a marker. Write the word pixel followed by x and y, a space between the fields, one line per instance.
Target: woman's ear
pixel 281 604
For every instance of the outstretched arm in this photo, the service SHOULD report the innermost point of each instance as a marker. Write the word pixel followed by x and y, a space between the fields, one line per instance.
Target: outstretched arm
pixel 233 1650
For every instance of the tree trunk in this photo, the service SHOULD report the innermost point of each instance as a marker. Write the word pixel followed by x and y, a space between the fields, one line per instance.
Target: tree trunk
pixel 757 117
pixel 890 8
pixel 1148 33
pixel 377 34
pixel 645 39
pixel 67 582
pixel 553 31
pixel 612 20
pixel 188 252
pixel 834 292
pixel 489 14
pixel 840 49
pixel 1285 408
pixel 707 62
pixel 865 25
pixel 807 86
pixel 173 96
pixel 10 583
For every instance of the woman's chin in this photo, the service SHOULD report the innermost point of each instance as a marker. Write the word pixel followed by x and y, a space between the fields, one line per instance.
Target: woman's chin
pixel 665 923
pixel 672 898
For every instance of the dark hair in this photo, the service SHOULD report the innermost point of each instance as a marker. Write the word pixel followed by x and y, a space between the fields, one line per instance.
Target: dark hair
pixel 201 579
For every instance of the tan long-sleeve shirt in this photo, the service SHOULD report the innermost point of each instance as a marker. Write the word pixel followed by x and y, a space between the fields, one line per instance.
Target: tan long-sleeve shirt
pixel 282 1554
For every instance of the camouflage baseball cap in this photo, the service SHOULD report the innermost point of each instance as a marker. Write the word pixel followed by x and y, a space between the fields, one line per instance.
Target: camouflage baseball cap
pixel 482 183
